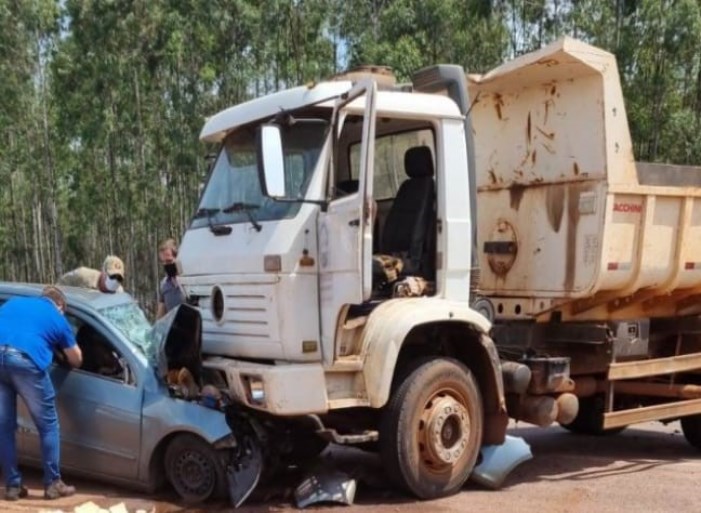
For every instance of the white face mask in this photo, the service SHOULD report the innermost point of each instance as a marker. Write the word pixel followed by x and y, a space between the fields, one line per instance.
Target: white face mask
pixel 110 284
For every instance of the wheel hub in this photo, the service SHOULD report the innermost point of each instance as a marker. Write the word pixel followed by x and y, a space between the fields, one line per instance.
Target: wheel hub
pixel 444 431
pixel 194 472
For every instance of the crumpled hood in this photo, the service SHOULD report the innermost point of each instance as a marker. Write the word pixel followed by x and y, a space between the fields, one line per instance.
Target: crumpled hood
pixel 177 342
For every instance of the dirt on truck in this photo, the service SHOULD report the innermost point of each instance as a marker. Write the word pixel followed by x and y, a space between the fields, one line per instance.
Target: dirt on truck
pixel 403 267
pixel 585 254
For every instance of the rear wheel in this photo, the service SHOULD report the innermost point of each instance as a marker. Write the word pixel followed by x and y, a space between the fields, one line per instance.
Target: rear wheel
pixel 431 430
pixel 195 469
pixel 590 418
pixel 691 427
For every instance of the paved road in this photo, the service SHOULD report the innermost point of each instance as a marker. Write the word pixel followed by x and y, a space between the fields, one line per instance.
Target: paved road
pixel 649 468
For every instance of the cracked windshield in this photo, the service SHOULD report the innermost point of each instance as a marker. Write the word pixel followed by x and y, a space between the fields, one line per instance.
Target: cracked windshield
pixel 131 321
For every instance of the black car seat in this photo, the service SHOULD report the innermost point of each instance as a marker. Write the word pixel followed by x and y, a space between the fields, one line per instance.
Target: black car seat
pixel 409 225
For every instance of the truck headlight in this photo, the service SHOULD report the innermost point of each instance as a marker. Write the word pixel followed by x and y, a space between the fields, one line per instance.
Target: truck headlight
pixel 255 390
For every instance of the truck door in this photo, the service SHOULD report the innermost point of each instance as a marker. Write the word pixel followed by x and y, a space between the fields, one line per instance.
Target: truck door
pixel 345 229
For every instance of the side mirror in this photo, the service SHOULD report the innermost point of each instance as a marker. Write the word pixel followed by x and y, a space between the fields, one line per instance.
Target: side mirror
pixel 271 161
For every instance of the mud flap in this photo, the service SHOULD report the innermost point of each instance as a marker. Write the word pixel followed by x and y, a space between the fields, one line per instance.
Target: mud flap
pixel 499 460
pixel 244 469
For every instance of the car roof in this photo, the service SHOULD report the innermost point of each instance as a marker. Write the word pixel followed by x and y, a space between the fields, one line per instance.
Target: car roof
pixel 76 297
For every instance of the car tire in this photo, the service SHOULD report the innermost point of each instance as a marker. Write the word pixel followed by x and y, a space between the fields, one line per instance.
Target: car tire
pixel 427 451
pixel 194 469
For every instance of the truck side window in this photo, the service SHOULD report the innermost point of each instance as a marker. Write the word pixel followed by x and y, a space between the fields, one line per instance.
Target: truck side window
pixel 389 160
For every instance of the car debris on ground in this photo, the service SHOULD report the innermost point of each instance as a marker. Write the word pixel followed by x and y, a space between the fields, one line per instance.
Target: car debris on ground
pixel 326 486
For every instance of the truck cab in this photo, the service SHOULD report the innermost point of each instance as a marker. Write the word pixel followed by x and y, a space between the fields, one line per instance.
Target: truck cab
pixel 331 258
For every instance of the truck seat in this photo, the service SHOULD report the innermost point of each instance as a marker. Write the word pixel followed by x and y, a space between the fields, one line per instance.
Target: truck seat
pixel 409 221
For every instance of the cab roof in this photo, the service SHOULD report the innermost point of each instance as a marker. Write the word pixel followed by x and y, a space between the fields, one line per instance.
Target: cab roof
pixel 388 103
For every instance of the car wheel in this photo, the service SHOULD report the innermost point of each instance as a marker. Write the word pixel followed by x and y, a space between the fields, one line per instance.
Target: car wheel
pixel 194 469
pixel 431 429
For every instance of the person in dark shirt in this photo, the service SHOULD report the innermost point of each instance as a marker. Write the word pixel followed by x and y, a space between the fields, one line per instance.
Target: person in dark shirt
pixel 170 292
pixel 32 329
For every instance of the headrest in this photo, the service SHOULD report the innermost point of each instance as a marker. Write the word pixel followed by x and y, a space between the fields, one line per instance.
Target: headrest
pixel 418 161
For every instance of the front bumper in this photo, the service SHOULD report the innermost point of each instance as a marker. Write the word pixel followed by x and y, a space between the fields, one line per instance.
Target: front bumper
pixel 286 389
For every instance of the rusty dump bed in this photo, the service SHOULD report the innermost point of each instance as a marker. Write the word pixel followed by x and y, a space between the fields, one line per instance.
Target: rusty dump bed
pixel 564 222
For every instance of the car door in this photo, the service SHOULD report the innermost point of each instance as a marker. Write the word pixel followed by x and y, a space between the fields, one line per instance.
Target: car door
pixel 99 408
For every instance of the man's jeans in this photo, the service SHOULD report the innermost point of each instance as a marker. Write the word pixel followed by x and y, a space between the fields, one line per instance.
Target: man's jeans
pixel 19 375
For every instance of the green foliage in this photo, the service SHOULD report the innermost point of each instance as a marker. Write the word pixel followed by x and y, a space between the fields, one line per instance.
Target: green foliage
pixel 102 101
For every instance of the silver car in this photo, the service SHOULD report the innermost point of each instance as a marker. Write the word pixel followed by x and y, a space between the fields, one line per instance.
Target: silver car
pixel 119 420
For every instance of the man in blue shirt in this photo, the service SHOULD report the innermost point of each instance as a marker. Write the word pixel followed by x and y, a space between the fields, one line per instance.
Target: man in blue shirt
pixel 31 330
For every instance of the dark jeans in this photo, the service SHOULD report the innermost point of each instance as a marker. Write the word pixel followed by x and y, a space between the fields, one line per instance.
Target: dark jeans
pixel 20 376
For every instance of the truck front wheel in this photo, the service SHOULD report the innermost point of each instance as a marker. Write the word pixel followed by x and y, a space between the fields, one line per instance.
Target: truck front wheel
pixel 431 429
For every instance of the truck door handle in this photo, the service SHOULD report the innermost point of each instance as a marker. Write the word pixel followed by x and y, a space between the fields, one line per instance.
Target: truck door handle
pixel 354 222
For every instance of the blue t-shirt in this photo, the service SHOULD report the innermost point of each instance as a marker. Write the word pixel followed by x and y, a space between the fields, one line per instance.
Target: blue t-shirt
pixel 34 326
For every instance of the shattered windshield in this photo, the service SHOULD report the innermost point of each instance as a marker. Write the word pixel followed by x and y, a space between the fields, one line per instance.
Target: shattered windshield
pixel 130 319
pixel 234 178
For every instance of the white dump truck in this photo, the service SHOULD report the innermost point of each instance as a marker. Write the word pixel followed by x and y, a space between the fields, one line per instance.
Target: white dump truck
pixel 405 266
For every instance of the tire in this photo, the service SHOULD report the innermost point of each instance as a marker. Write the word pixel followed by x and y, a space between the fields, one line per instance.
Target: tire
pixel 590 418
pixel 416 431
pixel 194 469
pixel 691 427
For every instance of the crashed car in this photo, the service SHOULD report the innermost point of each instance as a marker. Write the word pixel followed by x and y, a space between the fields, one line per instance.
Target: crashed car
pixel 120 420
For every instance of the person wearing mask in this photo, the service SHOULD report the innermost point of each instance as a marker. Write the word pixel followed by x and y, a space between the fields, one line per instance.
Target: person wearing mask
pixel 32 329
pixel 170 292
pixel 108 280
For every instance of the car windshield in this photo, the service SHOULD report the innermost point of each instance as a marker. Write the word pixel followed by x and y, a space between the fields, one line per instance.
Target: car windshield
pixel 129 318
pixel 233 193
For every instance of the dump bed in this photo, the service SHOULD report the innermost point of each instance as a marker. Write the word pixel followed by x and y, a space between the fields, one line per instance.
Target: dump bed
pixel 564 222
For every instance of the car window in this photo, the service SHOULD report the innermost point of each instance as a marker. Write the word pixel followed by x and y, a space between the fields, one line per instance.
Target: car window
pixel 100 357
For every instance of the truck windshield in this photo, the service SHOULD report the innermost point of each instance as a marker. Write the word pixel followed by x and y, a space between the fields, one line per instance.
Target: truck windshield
pixel 234 179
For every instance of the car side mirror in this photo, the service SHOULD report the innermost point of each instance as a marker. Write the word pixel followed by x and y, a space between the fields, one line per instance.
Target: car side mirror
pixel 271 161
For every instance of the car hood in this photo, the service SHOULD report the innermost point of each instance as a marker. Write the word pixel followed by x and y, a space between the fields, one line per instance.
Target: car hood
pixel 177 342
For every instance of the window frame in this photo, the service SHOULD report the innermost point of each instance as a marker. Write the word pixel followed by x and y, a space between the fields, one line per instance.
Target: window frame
pixel 130 378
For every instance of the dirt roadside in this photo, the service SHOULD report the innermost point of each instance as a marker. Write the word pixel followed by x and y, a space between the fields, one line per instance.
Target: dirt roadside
pixel 648 468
